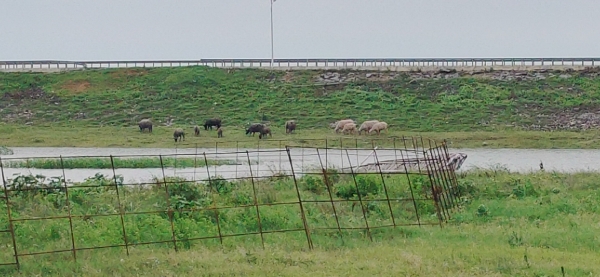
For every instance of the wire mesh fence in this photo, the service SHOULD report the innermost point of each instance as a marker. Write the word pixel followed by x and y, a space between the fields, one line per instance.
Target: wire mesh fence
pixel 223 195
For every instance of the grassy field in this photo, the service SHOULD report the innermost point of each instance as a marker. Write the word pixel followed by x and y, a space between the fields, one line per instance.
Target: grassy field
pixel 507 225
pixel 113 136
pixel 102 107
pixel 103 163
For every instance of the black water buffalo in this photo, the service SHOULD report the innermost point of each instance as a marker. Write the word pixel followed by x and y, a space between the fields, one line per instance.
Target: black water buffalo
pixel 178 134
pixel 264 132
pixel 290 126
pixel 255 128
pixel 209 123
pixel 145 124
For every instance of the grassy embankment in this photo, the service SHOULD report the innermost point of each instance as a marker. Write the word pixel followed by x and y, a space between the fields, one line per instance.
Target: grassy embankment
pixel 103 163
pixel 509 225
pixel 101 108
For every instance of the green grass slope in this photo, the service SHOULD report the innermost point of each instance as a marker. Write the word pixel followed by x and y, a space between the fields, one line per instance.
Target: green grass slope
pixel 459 102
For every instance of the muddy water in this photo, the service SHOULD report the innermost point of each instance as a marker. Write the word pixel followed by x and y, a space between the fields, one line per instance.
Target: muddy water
pixel 262 164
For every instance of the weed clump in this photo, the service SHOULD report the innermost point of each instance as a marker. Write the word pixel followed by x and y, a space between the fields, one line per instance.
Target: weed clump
pixel 6 151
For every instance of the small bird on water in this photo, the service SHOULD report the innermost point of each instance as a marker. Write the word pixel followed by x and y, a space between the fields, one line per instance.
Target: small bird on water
pixel 541 166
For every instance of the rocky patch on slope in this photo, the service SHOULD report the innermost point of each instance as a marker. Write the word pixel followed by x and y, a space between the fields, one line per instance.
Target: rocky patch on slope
pixel 534 74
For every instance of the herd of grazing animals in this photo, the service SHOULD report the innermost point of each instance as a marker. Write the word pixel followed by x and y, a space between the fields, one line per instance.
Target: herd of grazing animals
pixel 349 126
pixel 346 126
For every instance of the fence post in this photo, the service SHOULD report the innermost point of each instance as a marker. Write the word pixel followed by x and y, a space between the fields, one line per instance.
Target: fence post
pixel 326 153
pixel 436 170
pixel 121 210
pixel 444 175
pixel 302 214
pixel 360 199
pixel 169 208
pixel 237 159
pixel 62 166
pixel 175 161
pixel 342 154
pixel 280 156
pixel 8 213
pixel 326 181
pixel 257 157
pixel 452 174
pixel 216 209
pixel 216 156
pixel 387 196
pixel 356 147
pixel 262 239
pixel 196 161
pixel 432 182
pixel 412 193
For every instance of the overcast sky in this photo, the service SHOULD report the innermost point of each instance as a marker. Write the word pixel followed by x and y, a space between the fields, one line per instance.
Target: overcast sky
pixel 196 29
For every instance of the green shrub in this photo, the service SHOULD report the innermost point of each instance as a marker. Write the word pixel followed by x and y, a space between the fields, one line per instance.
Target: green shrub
pixel 313 184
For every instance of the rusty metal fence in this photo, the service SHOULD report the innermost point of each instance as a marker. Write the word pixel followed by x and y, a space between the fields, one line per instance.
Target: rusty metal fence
pixel 177 200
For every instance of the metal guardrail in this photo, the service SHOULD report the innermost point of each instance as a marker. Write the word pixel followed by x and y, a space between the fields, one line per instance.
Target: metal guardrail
pixel 302 63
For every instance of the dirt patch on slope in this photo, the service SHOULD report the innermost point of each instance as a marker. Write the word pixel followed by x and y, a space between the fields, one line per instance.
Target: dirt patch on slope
pixel 14 106
pixel 76 87
pixel 33 93
pixel 128 73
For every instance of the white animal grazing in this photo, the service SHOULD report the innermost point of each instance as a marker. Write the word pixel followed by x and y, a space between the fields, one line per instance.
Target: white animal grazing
pixel 349 128
pixel 366 126
pixel 340 124
pixel 378 127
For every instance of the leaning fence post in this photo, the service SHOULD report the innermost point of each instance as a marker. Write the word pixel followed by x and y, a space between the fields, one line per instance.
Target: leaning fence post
pixel 442 166
pixel 326 153
pixel 452 177
pixel 169 208
pixel 412 194
pixel 237 159
pixel 362 206
pixel 387 196
pixel 432 182
pixel 196 162
pixel 121 210
pixel 210 185
pixel 356 147
pixel 9 214
pixel 262 239
pixel 437 189
pixel 328 185
pixel 216 156
pixel 280 170
pixel 342 154
pixel 257 158
pixel 302 214
pixel 62 165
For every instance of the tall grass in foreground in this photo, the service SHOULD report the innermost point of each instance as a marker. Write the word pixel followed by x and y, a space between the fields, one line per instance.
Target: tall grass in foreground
pixel 104 163
pixel 507 225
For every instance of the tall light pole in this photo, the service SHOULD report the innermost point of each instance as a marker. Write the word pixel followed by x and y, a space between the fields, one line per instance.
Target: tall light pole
pixel 272 48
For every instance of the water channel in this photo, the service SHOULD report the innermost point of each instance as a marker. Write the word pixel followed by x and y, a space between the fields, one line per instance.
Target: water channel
pixel 269 161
